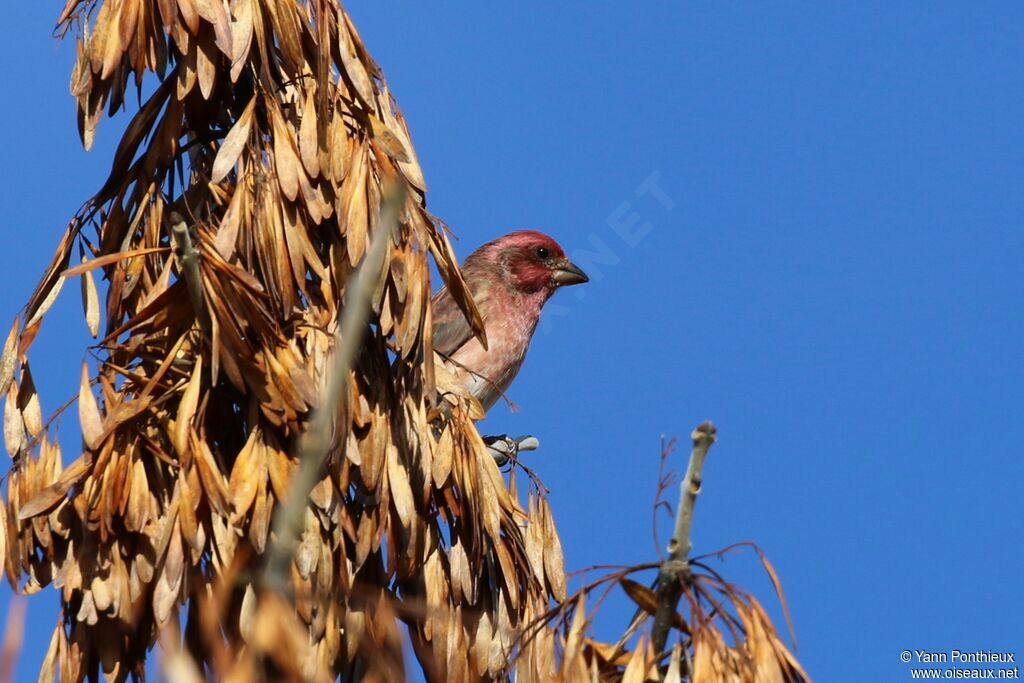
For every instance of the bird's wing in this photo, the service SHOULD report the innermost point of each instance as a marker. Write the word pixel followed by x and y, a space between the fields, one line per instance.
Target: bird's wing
pixel 451 329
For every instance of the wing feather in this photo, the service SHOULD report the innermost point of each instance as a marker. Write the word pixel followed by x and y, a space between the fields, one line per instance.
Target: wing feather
pixel 451 329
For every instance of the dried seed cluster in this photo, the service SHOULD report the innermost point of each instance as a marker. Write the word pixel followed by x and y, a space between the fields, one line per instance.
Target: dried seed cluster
pixel 265 127
pixel 241 199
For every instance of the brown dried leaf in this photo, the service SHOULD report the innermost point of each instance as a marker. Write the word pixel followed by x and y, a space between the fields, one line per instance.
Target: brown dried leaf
pixel 509 572
pixel 180 667
pixel 234 143
pixel 774 576
pixel 396 124
pixel 280 468
pixel 165 595
pixel 776 650
pixel 401 491
pixel 10 357
pixel 482 641
pixel 282 16
pixel 81 74
pixel 187 72
pixel 554 560
pixel 111 44
pixel 28 403
pixel 442 458
pixel 259 527
pixel 188 501
pixel 213 11
pixel 206 69
pixel 89 413
pixel 190 14
pixel 107 259
pixel 129 24
pixel 187 409
pixel 389 143
pixel 353 66
pixel 534 539
pixel 286 161
pixel 46 291
pixel 137 511
pixel 647 600
pixel 90 302
pixel 241 37
pixel 463 583
pixel 249 470
pixel 14 425
pixel 97 43
pixel 277 633
pixel 209 474
pixel 167 11
pixel 69 8
pixel 48 498
pixel 613 655
pixel 309 146
pixel 227 234
pixel 636 669
pixel 574 639
pixel 674 673
pixel 46 303
pixel 339 147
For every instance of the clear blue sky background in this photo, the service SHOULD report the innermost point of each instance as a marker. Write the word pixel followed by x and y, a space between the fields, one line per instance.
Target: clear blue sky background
pixel 837 283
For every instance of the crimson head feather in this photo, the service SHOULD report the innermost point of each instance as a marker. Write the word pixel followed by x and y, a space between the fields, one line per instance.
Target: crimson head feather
pixel 510 278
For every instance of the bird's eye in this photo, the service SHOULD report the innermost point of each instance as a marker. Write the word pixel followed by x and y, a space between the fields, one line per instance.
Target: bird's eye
pixel 542 252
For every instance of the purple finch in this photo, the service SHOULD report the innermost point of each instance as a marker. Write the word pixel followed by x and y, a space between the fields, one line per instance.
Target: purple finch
pixel 510 279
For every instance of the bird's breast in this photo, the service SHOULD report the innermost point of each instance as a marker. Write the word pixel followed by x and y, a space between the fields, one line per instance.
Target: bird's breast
pixel 487 373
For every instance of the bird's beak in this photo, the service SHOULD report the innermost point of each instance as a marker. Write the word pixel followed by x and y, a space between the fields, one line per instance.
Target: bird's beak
pixel 568 273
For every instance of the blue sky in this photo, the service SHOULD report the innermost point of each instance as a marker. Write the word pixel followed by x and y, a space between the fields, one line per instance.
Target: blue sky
pixel 832 275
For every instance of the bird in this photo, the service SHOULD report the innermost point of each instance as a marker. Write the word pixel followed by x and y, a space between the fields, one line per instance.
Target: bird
pixel 510 279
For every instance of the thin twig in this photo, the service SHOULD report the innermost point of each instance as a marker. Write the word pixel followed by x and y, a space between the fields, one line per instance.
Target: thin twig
pixel 670 574
pixel 664 482
pixel 314 444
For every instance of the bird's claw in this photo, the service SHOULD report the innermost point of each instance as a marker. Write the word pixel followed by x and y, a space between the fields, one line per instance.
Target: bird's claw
pixel 504 448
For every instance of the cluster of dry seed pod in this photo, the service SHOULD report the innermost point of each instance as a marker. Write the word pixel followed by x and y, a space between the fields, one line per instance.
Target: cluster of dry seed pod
pixel 265 128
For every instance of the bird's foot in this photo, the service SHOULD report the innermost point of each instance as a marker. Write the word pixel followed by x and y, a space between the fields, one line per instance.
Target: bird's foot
pixel 504 448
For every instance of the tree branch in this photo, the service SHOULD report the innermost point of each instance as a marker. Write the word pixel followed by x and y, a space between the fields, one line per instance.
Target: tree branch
pixel 315 442
pixel 669 585
pixel 188 262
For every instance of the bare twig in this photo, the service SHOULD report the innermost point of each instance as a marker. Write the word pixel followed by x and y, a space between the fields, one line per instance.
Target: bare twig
pixel 314 444
pixel 675 565
pixel 665 480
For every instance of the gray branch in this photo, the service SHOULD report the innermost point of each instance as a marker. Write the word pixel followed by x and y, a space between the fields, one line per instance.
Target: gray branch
pixel 188 262
pixel 673 568
pixel 314 444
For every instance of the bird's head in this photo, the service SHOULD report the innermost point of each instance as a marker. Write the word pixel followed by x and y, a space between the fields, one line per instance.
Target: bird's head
pixel 531 262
